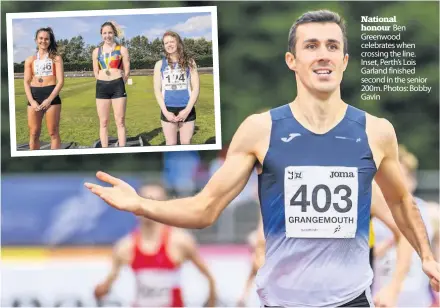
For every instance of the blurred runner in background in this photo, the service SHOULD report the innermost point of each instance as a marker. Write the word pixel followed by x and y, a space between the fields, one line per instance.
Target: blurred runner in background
pixel 155 253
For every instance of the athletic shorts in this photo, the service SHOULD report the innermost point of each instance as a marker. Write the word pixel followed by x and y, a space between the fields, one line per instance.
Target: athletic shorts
pixel 110 89
pixel 191 116
pixel 360 301
pixel 41 93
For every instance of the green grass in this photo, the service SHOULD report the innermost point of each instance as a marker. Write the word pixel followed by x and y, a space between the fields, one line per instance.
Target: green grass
pixel 79 118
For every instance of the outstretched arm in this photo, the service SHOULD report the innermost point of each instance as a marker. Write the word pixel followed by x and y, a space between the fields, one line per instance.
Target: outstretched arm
pixel 203 209
pixel 401 203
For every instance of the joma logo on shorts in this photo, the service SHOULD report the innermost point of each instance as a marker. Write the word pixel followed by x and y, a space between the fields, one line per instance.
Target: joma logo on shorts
pixel 335 174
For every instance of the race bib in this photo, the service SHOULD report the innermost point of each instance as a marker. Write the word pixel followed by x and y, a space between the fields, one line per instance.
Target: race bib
pixel 43 67
pixel 175 79
pixel 155 288
pixel 321 202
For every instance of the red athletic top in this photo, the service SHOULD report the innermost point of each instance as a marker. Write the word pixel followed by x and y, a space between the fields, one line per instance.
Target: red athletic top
pixel 157 277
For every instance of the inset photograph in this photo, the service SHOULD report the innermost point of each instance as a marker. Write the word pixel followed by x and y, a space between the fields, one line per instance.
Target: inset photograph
pixel 113 81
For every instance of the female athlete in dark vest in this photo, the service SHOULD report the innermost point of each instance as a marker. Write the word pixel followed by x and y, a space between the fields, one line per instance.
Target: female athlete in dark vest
pixel 111 66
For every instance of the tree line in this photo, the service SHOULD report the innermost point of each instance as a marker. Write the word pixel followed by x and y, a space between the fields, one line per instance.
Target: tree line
pixel 143 52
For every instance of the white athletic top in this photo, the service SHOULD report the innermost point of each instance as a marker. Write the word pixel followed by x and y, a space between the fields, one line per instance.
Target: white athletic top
pixel 416 289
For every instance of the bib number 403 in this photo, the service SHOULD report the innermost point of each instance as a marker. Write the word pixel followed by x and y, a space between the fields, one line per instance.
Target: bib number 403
pixel 344 191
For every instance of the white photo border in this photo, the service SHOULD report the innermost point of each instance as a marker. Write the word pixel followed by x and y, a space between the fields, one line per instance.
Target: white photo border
pixel 113 150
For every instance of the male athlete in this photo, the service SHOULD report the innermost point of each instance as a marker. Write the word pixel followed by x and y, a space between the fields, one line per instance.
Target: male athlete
pixel 155 253
pixel 388 294
pixel 317 157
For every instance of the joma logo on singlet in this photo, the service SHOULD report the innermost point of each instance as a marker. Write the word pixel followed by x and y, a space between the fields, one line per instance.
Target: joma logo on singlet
pixel 339 174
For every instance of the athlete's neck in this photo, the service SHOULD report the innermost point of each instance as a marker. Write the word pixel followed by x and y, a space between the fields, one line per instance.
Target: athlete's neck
pixel 109 46
pixel 150 229
pixel 174 57
pixel 42 52
pixel 318 115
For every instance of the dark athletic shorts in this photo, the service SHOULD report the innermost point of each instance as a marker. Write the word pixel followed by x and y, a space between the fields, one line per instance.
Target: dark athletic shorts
pixel 41 93
pixel 176 110
pixel 360 301
pixel 110 89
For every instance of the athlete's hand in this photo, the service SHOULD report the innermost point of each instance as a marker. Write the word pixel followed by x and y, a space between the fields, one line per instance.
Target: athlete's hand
pixel 121 196
pixel 35 105
pixel 170 116
pixel 45 104
pixel 101 290
pixel 386 297
pixel 183 114
pixel 432 270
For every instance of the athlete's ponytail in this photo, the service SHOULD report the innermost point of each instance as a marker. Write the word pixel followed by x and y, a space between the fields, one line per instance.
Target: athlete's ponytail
pixel 53 47
pixel 119 32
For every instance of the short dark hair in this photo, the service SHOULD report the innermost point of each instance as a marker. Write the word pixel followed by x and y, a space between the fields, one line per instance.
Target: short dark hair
pixel 317 16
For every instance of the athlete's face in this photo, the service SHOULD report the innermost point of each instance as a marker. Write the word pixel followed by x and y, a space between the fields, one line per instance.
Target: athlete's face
pixel 319 62
pixel 107 34
pixel 409 178
pixel 43 40
pixel 170 44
